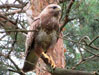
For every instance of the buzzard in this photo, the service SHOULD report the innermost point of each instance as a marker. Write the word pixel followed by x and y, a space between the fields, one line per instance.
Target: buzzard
pixel 45 34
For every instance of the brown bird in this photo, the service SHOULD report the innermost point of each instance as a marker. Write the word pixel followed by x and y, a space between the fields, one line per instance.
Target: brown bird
pixel 44 36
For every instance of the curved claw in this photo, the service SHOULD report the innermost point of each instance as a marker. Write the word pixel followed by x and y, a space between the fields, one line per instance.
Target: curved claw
pixel 48 60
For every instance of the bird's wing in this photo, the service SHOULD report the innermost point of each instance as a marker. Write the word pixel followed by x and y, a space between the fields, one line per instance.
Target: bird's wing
pixel 31 35
pixel 31 58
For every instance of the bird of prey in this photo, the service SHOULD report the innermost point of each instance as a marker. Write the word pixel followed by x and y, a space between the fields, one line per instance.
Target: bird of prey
pixel 44 36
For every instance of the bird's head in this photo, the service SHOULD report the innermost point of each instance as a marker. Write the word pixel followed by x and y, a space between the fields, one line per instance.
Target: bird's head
pixel 52 9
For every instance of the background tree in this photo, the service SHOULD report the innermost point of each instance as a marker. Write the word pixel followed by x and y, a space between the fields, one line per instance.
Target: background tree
pixel 80 18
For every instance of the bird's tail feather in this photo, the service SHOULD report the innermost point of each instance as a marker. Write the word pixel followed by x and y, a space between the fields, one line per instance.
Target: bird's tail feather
pixel 30 62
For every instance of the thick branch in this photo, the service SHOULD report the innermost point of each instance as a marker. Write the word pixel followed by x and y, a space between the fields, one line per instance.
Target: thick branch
pixel 60 71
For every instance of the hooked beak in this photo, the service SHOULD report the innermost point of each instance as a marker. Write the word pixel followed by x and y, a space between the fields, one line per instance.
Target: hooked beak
pixel 59 9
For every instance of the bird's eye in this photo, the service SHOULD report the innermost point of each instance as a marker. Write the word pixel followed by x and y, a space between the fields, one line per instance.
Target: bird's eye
pixel 54 7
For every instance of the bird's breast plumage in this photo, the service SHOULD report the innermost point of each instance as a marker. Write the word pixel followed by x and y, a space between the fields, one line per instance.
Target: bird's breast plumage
pixel 47 34
pixel 46 40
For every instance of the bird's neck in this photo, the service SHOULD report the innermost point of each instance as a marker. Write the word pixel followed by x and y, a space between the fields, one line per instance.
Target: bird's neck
pixel 49 18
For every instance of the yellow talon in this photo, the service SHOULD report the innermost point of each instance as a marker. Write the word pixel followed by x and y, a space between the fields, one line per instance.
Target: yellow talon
pixel 50 60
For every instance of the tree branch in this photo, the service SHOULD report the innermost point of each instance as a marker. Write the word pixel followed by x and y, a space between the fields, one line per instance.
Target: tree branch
pixel 4 17
pixel 11 6
pixel 93 40
pixel 60 71
pixel 21 2
pixel 21 73
pixel 16 66
pixel 91 52
pixel 66 20
pixel 18 30
pixel 14 12
pixel 83 60
pixel 91 45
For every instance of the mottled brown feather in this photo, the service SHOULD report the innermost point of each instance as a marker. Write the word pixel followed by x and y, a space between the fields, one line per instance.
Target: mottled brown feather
pixel 30 54
pixel 46 32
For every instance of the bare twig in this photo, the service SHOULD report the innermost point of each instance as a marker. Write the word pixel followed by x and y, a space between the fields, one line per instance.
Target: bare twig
pixel 14 12
pixel 18 69
pixel 91 52
pixel 13 70
pixel 11 6
pixel 94 40
pixel 93 47
pixel 17 30
pixel 16 66
pixel 14 63
pixel 2 16
pixel 21 2
pixel 83 61
pixel 2 37
pixel 66 20
pixel 83 39
pixel 21 73
pixel 80 52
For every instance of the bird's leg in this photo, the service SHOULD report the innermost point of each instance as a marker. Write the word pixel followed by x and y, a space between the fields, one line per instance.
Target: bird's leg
pixel 48 60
